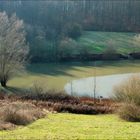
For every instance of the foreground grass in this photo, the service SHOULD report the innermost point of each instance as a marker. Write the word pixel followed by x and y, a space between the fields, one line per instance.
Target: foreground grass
pixel 55 76
pixel 98 41
pixel 71 126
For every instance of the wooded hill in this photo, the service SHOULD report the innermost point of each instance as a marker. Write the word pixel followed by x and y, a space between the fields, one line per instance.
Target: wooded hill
pixel 52 24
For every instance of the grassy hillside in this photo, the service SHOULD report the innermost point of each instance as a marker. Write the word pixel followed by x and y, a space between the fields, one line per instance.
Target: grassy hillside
pixel 97 41
pixel 55 76
pixel 71 126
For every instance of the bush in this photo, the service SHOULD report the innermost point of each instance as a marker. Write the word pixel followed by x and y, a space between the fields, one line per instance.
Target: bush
pixel 20 113
pixel 130 112
pixel 67 47
pixel 110 53
pixel 129 94
pixel 6 126
pixel 129 91
pixel 37 93
pixel 62 102
pixel 74 30
pixel 81 108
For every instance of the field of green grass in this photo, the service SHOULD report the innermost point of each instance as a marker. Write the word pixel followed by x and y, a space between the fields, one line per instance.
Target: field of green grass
pixel 71 126
pixel 97 41
pixel 55 76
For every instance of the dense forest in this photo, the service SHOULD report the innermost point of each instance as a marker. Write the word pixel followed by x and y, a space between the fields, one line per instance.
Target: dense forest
pixel 53 26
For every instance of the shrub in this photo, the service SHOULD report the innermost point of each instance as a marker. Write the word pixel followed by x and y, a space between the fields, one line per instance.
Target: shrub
pixel 37 93
pixel 129 91
pixel 74 30
pixel 67 47
pixel 1 96
pixel 130 112
pixel 20 113
pixel 81 108
pixel 61 102
pixel 6 126
pixel 129 94
pixel 110 53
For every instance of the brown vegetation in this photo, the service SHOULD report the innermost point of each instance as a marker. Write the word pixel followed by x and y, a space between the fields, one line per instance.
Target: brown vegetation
pixel 130 112
pixel 128 93
pixel 22 110
pixel 6 126
pixel 17 112
pixel 61 102
pixel 129 90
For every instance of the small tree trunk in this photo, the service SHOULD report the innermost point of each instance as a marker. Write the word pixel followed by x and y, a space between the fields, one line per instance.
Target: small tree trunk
pixel 3 83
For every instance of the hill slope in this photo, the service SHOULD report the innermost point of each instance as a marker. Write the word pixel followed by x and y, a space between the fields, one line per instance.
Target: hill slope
pixel 98 41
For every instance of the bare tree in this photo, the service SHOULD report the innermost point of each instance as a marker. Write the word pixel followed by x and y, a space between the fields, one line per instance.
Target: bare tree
pixel 13 48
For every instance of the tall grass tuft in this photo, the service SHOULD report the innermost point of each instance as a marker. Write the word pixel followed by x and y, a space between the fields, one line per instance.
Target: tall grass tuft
pixel 128 93
pixel 20 113
pixel 129 112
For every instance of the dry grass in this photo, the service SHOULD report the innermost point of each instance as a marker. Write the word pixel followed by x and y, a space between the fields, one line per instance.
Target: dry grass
pixel 61 102
pixel 38 93
pixel 129 94
pixel 22 110
pixel 129 90
pixel 130 112
pixel 6 126
pixel 20 113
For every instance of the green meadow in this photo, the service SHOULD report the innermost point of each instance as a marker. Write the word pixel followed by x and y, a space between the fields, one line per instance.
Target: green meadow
pixel 71 126
pixel 98 41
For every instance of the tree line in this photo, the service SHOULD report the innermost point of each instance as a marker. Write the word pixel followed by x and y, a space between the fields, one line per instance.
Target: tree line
pixel 53 26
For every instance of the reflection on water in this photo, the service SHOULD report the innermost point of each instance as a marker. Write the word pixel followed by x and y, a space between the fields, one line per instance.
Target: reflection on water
pixel 104 85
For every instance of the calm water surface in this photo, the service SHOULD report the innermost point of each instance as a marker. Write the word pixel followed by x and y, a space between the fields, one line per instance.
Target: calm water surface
pixel 104 85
